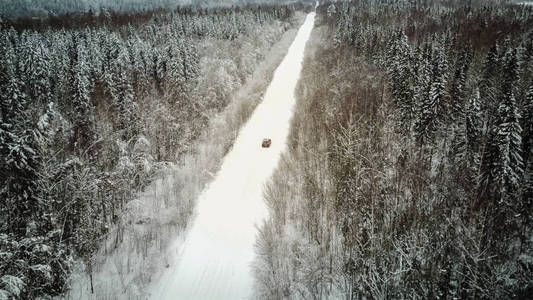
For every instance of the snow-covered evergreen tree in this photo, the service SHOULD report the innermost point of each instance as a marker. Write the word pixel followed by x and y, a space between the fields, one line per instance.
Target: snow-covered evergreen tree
pixel 401 78
pixel 502 163
pixel 433 107
pixel 459 81
pixel 469 134
pixel 509 141
pixel 489 84
pixel 94 54
pixel 527 125
pixel 18 159
pixel 36 69
pixel 190 59
pixel 176 66
pixel 526 205
pixel 123 98
pixel 80 89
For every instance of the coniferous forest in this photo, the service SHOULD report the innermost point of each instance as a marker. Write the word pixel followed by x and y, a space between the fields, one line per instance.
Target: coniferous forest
pixel 47 8
pixel 408 171
pixel 95 107
pixel 410 163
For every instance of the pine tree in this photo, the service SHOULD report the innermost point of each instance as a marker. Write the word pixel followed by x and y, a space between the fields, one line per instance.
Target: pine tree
pixel 37 68
pixel 94 54
pixel 509 140
pixel 135 64
pixel 190 59
pixel 157 68
pixel 528 48
pixel 123 98
pixel 423 75
pixel 111 46
pixel 527 125
pixel 469 134
pixel 526 205
pixel 161 62
pixel 473 122
pixel 458 84
pixel 502 163
pixel 401 79
pixel 489 84
pixel 510 72
pixel 60 74
pixel 80 97
pixel 18 159
pixel 433 107
pixel 176 67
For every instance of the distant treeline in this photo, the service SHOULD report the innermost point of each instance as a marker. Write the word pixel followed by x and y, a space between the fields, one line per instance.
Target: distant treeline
pixel 48 8
pixel 113 19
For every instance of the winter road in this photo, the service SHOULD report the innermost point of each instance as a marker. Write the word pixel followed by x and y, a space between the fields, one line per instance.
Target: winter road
pixel 214 262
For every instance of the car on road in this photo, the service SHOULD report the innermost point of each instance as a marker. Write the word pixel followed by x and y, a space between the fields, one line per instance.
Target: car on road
pixel 266 143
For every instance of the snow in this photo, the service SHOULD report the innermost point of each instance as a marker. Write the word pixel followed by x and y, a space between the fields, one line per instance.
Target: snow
pixel 12 285
pixel 214 261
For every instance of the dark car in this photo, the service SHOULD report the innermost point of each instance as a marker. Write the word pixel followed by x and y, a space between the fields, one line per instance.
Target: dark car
pixel 266 143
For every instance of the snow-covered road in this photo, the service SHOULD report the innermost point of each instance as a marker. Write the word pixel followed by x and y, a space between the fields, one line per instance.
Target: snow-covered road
pixel 214 261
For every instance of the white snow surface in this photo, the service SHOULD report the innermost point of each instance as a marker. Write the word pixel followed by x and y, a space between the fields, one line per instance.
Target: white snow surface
pixel 214 262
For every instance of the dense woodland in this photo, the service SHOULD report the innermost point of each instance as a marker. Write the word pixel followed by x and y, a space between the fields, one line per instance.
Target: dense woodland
pixel 45 8
pixel 90 114
pixel 410 164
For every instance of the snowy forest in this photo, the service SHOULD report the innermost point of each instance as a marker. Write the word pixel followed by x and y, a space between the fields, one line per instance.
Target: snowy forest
pixel 409 172
pixel 93 108
pixel 44 8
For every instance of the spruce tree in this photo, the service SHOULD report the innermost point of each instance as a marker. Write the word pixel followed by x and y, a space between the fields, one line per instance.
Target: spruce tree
pixel 458 84
pixel 527 125
pixel 510 72
pixel 176 67
pixel 433 107
pixel 526 204
pixel 469 134
pixel 401 79
pixel 502 163
pixel 18 159
pixel 473 122
pixel 190 59
pixel 489 84
pixel 509 141
pixel 83 117
pixel 38 69
pixel 123 98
